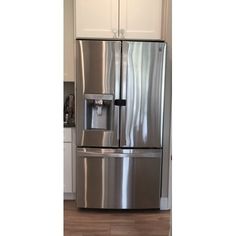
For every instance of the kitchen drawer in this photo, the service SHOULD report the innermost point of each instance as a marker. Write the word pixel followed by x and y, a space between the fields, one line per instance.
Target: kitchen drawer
pixel 67 135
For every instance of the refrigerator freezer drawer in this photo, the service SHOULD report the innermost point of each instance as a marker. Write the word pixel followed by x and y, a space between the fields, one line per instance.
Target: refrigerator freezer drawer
pixel 117 180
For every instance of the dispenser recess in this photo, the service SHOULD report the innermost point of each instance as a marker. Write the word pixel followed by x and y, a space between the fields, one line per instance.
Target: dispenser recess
pixel 98 111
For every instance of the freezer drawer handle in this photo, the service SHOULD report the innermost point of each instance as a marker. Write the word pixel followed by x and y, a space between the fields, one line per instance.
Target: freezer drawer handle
pixel 120 102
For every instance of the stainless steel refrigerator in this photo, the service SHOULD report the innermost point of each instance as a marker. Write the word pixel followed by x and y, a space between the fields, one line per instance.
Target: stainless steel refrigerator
pixel 119 119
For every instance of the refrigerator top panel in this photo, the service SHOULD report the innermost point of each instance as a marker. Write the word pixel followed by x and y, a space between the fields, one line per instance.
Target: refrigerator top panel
pixel 143 75
pixel 97 87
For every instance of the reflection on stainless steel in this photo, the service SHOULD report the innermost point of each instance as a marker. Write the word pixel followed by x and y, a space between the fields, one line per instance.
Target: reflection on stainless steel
pixel 85 183
pixel 103 183
pixel 118 180
pixel 125 179
pixel 143 89
pixel 81 54
pixel 163 69
pixel 97 78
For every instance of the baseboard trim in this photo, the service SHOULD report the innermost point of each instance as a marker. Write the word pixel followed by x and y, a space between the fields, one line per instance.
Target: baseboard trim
pixel 69 196
pixel 164 203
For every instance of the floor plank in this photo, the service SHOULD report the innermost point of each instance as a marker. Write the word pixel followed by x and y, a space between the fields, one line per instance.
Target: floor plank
pixel 114 222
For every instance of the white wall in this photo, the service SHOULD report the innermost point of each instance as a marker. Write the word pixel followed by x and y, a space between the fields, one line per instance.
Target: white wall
pixel 167 36
pixel 69 55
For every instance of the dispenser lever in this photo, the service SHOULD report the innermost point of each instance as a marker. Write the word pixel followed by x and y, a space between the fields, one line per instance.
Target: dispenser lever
pixel 99 104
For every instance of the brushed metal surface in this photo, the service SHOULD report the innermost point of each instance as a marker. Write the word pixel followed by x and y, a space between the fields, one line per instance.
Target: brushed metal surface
pixel 118 179
pixel 97 72
pixel 143 76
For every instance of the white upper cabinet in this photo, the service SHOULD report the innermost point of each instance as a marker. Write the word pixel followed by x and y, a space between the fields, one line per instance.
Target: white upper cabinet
pixel 140 19
pixel 96 18
pixel 129 19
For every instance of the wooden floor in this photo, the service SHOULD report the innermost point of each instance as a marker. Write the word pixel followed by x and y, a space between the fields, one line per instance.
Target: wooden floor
pixel 114 223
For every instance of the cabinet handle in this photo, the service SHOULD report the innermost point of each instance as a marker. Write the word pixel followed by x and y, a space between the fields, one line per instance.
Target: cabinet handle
pixel 114 31
pixel 122 33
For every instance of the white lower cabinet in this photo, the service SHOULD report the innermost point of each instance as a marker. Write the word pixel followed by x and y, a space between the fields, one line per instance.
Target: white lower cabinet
pixel 67 167
pixel 69 163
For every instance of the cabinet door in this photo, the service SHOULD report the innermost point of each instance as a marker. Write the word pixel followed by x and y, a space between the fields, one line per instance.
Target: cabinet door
pixel 96 19
pixel 67 168
pixel 140 19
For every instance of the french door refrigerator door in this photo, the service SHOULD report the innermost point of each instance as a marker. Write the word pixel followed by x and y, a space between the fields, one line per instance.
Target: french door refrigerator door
pixel 118 178
pixel 143 76
pixel 97 86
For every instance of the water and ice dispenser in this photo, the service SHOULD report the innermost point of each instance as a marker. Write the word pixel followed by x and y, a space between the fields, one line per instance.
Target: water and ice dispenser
pixel 98 111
